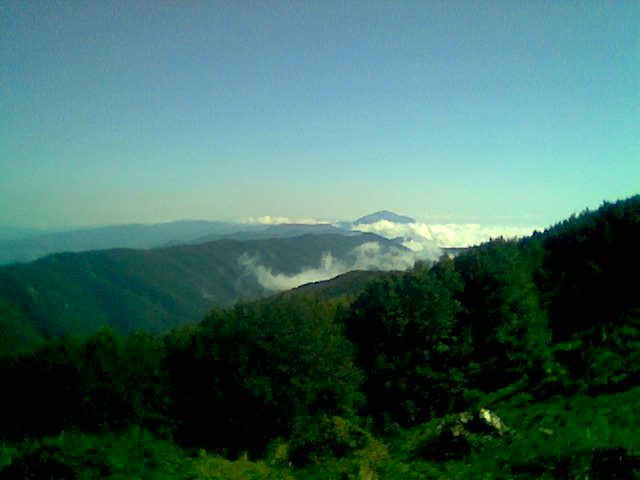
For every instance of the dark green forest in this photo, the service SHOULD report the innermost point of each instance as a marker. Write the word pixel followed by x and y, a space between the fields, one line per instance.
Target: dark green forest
pixel 514 359
pixel 151 290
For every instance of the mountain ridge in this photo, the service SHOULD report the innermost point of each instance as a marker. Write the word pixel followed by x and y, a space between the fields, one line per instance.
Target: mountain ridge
pixel 156 289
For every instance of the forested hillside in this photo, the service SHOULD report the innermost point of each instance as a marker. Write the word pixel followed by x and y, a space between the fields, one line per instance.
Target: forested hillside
pixel 153 290
pixel 515 359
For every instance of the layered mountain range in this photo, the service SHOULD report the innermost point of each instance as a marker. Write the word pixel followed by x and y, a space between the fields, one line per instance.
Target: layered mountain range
pixel 156 289
pixel 155 277
pixel 27 244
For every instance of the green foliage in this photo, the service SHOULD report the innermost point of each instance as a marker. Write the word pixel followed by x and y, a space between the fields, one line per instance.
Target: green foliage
pixel 587 283
pixel 544 331
pixel 132 454
pixel 259 367
pixel 501 306
pixel 105 382
pixel 316 440
pixel 562 438
pixel 15 335
pixel 347 286
pixel 411 345
pixel 217 468
pixel 555 311
pixel 575 437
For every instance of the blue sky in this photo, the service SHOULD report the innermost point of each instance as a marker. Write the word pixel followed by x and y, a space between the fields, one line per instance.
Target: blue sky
pixel 509 112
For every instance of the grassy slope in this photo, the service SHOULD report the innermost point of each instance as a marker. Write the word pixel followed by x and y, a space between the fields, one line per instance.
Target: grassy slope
pixel 561 438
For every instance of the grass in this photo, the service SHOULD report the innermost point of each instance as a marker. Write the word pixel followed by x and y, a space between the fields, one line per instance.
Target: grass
pixel 579 437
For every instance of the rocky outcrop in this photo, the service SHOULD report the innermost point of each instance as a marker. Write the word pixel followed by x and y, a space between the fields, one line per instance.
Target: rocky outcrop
pixel 456 435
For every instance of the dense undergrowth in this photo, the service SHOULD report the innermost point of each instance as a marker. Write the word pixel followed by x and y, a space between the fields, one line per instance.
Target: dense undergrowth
pixel 544 333
pixel 575 437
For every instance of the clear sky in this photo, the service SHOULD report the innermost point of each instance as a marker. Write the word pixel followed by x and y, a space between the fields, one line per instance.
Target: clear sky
pixel 513 112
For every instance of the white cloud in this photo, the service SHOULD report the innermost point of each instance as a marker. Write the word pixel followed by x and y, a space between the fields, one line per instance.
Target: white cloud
pixel 422 236
pixel 372 256
pixel 422 241
pixel 328 268
pixel 367 256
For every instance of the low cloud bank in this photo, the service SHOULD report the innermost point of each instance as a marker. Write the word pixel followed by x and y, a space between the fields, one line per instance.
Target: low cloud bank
pixel 421 236
pixel 421 241
pixel 367 256
pixel 329 267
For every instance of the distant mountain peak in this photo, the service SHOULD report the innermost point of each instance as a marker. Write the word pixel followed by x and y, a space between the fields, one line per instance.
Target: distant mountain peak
pixel 384 215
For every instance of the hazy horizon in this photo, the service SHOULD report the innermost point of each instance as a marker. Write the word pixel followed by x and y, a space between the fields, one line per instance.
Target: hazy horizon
pixel 523 221
pixel 496 113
